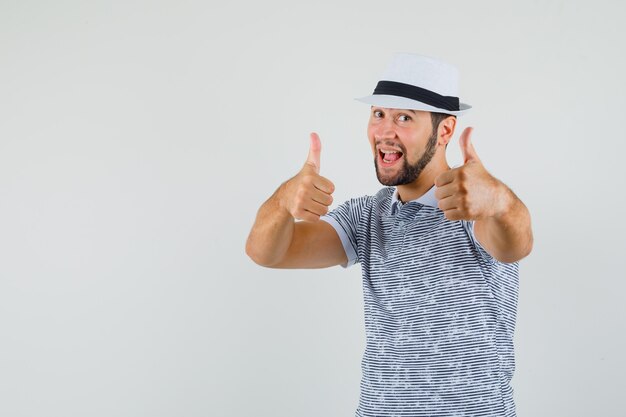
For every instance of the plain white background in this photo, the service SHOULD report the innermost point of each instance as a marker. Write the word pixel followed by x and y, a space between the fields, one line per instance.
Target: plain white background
pixel 139 138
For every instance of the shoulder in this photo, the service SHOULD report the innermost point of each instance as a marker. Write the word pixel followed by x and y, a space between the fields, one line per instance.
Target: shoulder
pixel 355 209
pixel 382 199
pixel 379 202
pixel 368 201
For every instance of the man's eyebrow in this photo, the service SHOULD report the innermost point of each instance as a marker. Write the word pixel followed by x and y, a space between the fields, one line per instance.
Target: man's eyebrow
pixel 397 110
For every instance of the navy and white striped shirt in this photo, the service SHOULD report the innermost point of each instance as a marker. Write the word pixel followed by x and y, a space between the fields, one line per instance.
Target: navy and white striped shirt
pixel 439 310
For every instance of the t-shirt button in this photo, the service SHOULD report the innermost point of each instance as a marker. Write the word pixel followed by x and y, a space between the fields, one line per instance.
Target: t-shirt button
pixel 401 224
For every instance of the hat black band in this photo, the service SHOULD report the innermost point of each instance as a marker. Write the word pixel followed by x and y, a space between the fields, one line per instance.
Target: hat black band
pixel 393 88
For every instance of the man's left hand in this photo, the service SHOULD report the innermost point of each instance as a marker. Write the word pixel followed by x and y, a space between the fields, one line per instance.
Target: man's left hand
pixel 469 192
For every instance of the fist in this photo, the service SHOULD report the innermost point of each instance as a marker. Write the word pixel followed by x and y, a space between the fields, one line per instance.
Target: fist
pixel 307 195
pixel 469 192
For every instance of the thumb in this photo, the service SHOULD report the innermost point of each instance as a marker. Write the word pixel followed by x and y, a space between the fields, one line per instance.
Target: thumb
pixel 467 149
pixel 314 152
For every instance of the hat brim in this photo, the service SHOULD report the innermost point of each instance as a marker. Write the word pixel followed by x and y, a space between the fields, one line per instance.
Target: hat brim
pixel 396 102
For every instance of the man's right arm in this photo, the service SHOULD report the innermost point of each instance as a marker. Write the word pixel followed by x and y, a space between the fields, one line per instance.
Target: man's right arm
pixel 278 241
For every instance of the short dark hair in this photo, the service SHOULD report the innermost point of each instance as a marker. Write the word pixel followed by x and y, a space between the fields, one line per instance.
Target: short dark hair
pixel 436 118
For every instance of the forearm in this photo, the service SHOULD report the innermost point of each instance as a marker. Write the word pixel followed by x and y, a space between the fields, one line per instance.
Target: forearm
pixel 507 235
pixel 271 233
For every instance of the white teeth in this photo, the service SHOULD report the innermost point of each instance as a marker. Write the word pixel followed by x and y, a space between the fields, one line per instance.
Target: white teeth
pixel 386 152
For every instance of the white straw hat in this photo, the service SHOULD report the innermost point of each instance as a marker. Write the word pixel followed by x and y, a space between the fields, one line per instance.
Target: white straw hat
pixel 419 82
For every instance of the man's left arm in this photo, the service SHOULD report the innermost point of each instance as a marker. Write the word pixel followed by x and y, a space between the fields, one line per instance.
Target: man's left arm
pixel 501 221
pixel 507 236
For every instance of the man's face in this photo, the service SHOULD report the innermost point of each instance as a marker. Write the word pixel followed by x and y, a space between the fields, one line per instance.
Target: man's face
pixel 403 142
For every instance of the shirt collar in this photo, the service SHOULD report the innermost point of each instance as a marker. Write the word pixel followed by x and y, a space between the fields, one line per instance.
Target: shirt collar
pixel 427 199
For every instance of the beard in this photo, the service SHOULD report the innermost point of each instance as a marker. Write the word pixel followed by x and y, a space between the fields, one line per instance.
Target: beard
pixel 409 172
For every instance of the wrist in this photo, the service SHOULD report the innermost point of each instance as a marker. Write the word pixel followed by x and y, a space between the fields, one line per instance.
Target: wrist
pixel 505 202
pixel 281 199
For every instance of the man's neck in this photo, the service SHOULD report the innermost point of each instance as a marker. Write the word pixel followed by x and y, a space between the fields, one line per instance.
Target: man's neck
pixel 423 183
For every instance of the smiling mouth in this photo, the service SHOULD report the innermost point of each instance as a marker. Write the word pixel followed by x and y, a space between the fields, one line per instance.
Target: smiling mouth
pixel 389 158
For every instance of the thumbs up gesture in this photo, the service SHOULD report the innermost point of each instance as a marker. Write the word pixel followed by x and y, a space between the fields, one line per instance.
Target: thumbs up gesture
pixel 307 195
pixel 469 192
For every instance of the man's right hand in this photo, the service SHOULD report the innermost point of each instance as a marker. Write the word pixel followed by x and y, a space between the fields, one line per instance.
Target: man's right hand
pixel 276 241
pixel 307 196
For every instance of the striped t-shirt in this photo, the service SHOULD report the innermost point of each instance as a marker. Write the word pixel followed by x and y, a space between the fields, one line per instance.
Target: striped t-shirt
pixel 439 310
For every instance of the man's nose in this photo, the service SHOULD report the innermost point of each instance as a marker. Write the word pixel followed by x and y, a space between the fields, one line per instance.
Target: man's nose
pixel 385 130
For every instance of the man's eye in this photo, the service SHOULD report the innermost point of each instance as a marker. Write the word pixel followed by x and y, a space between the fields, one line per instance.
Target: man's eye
pixel 378 113
pixel 404 118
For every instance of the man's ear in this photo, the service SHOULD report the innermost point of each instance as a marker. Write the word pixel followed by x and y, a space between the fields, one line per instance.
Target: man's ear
pixel 446 130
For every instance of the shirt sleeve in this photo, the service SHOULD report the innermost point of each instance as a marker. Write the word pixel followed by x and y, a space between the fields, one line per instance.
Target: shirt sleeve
pixel 469 228
pixel 345 220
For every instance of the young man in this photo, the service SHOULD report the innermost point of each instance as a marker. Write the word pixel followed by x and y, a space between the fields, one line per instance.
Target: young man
pixel 438 246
